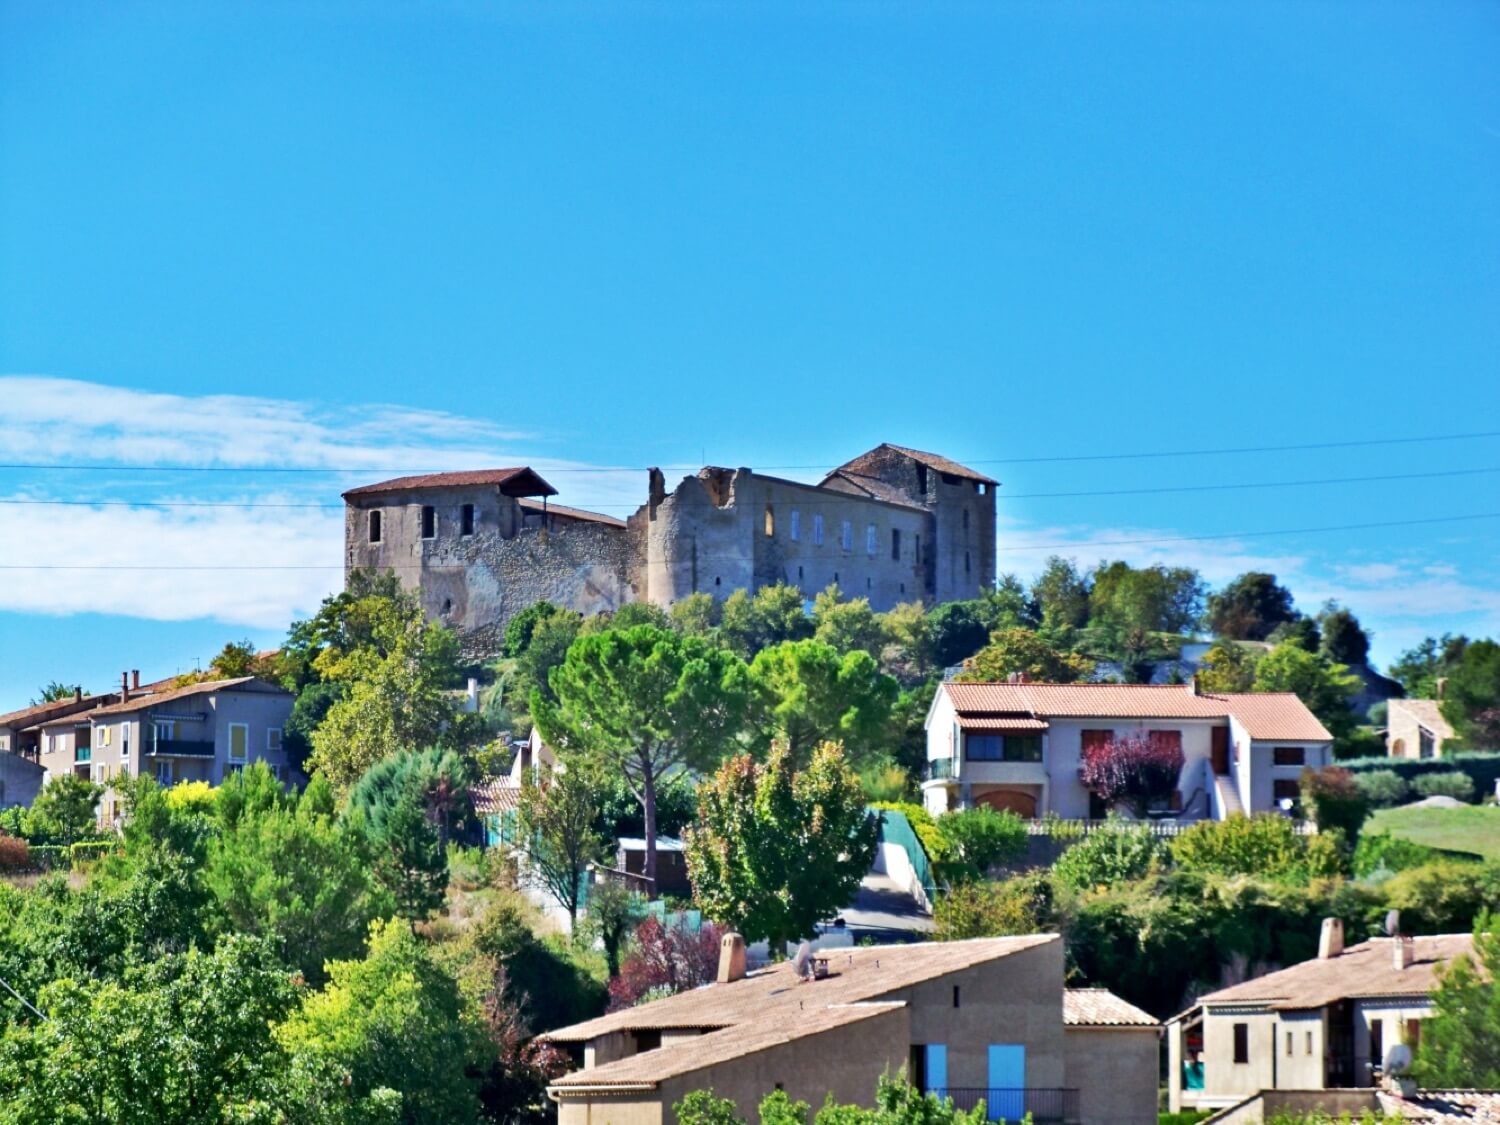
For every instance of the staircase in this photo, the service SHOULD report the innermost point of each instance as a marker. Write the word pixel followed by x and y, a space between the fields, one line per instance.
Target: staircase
pixel 1228 797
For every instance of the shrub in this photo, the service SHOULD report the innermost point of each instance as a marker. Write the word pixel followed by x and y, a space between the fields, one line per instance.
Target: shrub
pixel 1459 786
pixel 1022 905
pixel 1380 851
pixel 1266 844
pixel 1132 769
pixel 14 854
pixel 664 960
pixel 976 840
pixel 1334 800
pixel 1111 855
pixel 1482 768
pixel 1382 788
pixel 1444 897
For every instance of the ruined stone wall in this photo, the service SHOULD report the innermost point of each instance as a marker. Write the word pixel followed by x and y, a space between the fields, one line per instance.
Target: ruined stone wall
pixel 476 583
pixel 724 530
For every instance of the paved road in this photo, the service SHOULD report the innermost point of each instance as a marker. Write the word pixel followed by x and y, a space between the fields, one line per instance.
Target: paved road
pixel 883 909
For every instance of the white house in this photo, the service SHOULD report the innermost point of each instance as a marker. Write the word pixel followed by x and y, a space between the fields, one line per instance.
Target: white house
pixel 1020 745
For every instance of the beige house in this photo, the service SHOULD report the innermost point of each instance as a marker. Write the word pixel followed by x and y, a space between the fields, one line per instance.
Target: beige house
pixel 1415 728
pixel 1020 745
pixel 1325 1024
pixel 987 1019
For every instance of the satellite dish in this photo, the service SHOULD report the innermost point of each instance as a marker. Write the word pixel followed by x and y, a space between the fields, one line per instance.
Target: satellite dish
pixel 1393 923
pixel 802 962
pixel 1398 1060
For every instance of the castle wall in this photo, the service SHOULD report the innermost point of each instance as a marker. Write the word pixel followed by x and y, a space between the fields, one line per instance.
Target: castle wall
pixel 475 583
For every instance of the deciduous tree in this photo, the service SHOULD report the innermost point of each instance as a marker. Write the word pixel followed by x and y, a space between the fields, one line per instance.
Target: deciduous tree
pixel 1133 769
pixel 1325 688
pixel 773 850
pixel 559 836
pixel 1250 607
pixel 1460 1047
pixel 1022 652
pixel 63 812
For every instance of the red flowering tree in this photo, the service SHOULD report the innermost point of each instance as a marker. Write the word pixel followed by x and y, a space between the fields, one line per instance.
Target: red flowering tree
pixel 1134 769
pixel 664 960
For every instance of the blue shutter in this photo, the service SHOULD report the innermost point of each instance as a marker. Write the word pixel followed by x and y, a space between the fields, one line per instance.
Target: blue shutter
pixel 1007 1083
pixel 937 1068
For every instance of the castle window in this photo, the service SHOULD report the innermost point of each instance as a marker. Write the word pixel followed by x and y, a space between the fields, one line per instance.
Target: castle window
pixel 918 551
pixel 872 539
pixel 818 528
pixel 796 528
pixel 966 563
pixel 922 479
pixel 966 519
pixel 846 536
pixel 466 520
pixel 770 521
pixel 799 574
pixel 896 543
pixel 374 527
pixel 429 522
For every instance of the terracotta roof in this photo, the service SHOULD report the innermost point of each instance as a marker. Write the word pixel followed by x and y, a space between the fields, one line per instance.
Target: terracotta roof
pixel 41 712
pixel 76 719
pixel 931 460
pixel 495 796
pixel 773 994
pixel 1469 1107
pixel 144 700
pixel 1426 712
pixel 1367 969
pixel 1004 724
pixel 1099 1007
pixel 874 488
pixel 1265 716
pixel 536 486
pixel 571 513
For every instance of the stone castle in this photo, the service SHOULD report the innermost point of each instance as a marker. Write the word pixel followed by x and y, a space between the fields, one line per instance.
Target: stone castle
pixel 892 525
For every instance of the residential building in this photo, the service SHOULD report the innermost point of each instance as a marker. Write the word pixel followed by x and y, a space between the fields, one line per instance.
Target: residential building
pixel 20 780
pixel 1324 1024
pixel 1020 745
pixel 21 731
pixel 893 525
pixel 1415 728
pixel 1405 1104
pixel 986 1019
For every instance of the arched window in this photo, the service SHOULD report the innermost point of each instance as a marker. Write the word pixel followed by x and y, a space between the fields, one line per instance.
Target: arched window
pixel 770 521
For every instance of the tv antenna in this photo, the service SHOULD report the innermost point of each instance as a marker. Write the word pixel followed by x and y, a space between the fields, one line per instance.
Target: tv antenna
pixel 802 961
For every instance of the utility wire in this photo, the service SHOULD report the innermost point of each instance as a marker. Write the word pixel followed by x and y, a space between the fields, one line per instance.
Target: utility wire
pixel 844 498
pixel 25 1002
pixel 852 555
pixel 1363 442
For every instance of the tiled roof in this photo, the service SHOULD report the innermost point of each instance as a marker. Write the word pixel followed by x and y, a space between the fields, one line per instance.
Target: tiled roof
pixel 144 700
pixel 931 460
pixel 1367 969
pixel 473 477
pixel 650 1067
pixel 1265 716
pixel 571 513
pixel 1099 1007
pixel 41 712
pixel 495 796
pixel 874 488
pixel 1426 712
pixel 773 994
pixel 1439 1107
pixel 1002 724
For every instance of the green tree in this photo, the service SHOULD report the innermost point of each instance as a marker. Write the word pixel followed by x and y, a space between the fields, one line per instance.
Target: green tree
pixel 411 806
pixel 292 873
pixel 1325 688
pixel 1005 606
pixel 1152 599
pixel 958 632
pixel 63 812
pixel 1114 854
pixel 1020 905
pixel 974 840
pixel 1344 641
pixel 52 692
pixel 1022 652
pixel 628 616
pixel 1471 701
pixel 907 628
pixel 1228 668
pixel 748 853
pixel 696 615
pixel 1419 669
pixel 810 694
pixel 1460 1047
pixel 1335 801
pixel 614 913
pixel 847 626
pixel 548 649
pixel 392 1022
pixel 1302 631
pixel 643 704
pixel 242 658
pixel 749 623
pixel 1061 595
pixel 557 820
pixel 1249 607
pixel 519 630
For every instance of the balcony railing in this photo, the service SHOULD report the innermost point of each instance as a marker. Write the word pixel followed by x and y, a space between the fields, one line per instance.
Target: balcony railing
pixel 1059 1107
pixel 939 769
pixel 182 748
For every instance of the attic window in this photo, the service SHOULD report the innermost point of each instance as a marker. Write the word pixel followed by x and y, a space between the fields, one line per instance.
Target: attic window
pixel 374 527
pixel 466 520
pixel 896 543
pixel 922 479
pixel 429 522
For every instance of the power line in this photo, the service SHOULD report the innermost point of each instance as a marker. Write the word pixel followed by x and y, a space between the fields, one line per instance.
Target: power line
pixel 1157 454
pixel 853 555
pixel 844 498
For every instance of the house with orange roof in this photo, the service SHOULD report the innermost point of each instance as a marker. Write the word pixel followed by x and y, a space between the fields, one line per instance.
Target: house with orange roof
pixel 1021 746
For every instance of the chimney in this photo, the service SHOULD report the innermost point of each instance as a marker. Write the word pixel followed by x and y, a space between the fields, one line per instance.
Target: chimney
pixel 124 686
pixel 1402 950
pixel 1442 686
pixel 731 958
pixel 1016 678
pixel 1192 684
pixel 1331 940
pixel 78 694
pixel 135 679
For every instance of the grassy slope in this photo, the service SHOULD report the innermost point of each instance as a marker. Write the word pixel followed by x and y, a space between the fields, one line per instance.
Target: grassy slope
pixel 1474 828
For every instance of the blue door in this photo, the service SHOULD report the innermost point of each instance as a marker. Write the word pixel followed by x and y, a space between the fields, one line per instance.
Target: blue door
pixel 1007 1085
pixel 937 1069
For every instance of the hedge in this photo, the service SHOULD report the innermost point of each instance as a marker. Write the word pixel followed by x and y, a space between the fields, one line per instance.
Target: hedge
pixel 49 857
pixel 1482 768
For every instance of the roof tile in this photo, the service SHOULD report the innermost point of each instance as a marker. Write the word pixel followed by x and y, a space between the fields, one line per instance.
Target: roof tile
pixel 460 479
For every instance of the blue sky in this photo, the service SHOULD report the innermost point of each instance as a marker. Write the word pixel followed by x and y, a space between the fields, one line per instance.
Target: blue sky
pixel 379 236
